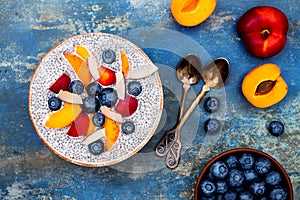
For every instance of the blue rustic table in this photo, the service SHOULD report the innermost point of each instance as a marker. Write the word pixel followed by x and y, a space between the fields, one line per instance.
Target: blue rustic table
pixel 29 29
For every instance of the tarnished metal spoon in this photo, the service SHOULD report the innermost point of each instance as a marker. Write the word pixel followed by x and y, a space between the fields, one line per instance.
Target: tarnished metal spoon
pixel 188 74
pixel 215 75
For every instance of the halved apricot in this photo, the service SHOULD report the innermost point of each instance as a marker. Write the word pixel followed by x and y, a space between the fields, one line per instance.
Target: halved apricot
pixel 263 86
pixel 192 12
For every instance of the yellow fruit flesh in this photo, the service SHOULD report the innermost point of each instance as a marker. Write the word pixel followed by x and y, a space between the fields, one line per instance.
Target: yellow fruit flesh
pixel 63 117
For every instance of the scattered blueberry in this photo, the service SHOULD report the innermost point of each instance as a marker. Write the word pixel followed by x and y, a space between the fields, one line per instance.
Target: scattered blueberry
pixel 108 97
pixel 212 104
pixel 245 195
pixel 246 161
pixel 273 178
pixel 257 188
pixel 108 56
pixel 250 175
pixel 232 161
pixel 219 169
pixel 230 195
pixel 236 178
pixel 262 165
pixel 276 128
pixel 93 89
pixel 134 88
pixel 54 103
pixel 91 104
pixel 76 87
pixel 96 148
pixel 207 188
pixel 278 193
pixel 98 119
pixel 212 126
pixel 222 187
pixel 128 127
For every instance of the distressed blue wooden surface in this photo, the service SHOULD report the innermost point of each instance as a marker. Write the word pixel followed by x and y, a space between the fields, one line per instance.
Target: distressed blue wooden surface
pixel 29 29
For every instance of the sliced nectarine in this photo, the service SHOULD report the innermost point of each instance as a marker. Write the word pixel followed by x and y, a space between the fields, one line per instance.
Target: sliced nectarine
pixel 63 117
pixel 112 130
pixel 125 63
pixel 80 67
pixel 192 12
pixel 263 86
pixel 92 126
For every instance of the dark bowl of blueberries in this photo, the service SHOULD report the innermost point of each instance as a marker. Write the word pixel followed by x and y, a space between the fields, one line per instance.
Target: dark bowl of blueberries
pixel 243 174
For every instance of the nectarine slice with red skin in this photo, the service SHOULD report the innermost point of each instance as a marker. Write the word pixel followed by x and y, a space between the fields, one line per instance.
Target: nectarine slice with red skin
pixel 107 76
pixel 192 12
pixel 254 79
pixel 62 83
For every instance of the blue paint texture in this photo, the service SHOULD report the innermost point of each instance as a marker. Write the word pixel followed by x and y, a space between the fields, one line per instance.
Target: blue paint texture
pixel 29 29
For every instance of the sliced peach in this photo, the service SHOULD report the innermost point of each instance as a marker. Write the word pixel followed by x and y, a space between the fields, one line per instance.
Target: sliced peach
pixel 125 63
pixel 192 12
pixel 112 130
pixel 63 117
pixel 263 86
pixel 82 51
pixel 80 67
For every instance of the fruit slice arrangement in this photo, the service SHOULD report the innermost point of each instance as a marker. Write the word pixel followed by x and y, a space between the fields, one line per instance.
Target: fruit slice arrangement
pixel 95 105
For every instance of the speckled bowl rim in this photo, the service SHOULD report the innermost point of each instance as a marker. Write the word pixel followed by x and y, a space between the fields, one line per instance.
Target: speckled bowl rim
pixel 246 150
pixel 146 140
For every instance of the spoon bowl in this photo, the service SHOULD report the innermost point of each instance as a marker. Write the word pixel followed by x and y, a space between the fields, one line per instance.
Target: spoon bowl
pixel 216 72
pixel 187 71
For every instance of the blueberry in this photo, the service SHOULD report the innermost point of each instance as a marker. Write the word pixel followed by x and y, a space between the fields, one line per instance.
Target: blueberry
pixel 134 88
pixel 250 175
pixel 246 161
pixel 98 119
pixel 232 161
pixel 273 178
pixel 128 127
pixel 245 195
pixel 76 87
pixel 262 165
pixel 108 56
pixel 108 97
pixel 230 195
pixel 278 193
pixel 54 103
pixel 212 126
pixel 207 188
pixel 236 178
pixel 219 169
pixel 257 188
pixel 222 187
pixel 212 104
pixel 276 128
pixel 91 104
pixel 96 148
pixel 93 89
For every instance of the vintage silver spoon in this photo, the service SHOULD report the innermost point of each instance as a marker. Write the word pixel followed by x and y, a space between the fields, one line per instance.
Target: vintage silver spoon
pixel 188 74
pixel 215 75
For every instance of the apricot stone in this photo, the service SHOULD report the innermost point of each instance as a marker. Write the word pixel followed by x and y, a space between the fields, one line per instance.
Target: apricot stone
pixel 192 12
pixel 263 86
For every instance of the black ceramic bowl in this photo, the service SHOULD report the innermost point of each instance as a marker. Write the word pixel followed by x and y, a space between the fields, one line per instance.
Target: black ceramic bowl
pixel 205 174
